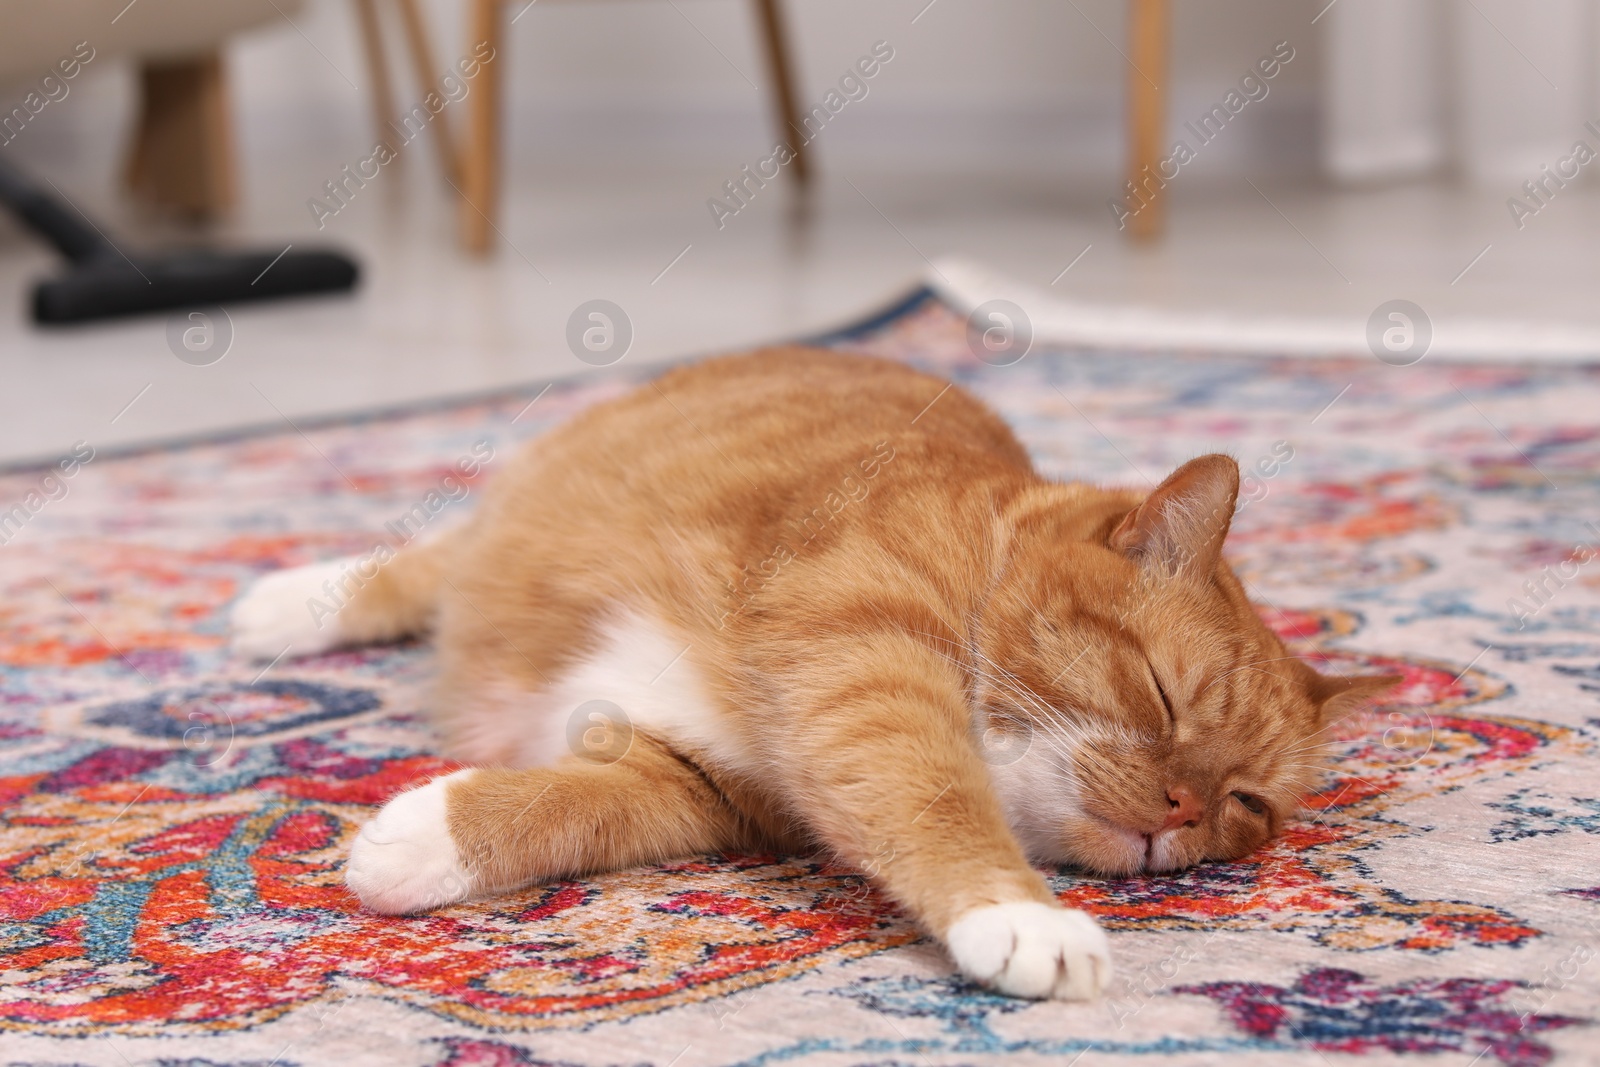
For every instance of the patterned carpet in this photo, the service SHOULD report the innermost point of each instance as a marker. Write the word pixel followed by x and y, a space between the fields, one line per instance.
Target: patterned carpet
pixel 174 821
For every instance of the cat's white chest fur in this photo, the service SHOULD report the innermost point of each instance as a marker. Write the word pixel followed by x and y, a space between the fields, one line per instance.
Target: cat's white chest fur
pixel 640 678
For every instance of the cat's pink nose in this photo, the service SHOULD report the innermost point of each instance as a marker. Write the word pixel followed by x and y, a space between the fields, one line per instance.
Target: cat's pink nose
pixel 1184 808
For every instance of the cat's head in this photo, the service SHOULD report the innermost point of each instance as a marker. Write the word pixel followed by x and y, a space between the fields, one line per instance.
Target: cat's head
pixel 1138 715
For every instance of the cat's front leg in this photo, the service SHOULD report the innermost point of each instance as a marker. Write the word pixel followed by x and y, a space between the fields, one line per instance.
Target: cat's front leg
pixel 888 770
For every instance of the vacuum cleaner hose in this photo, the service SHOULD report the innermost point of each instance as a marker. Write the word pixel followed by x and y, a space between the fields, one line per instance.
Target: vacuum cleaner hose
pixel 71 234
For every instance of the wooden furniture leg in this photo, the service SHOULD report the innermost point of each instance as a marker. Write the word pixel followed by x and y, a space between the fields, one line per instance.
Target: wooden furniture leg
pixel 422 57
pixel 776 40
pixel 378 66
pixel 1149 30
pixel 181 160
pixel 480 162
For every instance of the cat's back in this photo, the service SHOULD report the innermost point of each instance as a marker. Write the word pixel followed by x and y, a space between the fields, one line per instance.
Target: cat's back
pixel 776 409
pixel 724 459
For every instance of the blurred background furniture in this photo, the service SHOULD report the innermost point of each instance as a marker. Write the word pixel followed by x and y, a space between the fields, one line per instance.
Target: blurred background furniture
pixel 181 156
pixel 1149 37
pixel 419 44
pixel 484 148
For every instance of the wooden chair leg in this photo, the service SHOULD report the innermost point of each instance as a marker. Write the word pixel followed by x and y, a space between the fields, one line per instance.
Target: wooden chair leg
pixel 377 67
pixel 480 161
pixel 1149 31
pixel 422 58
pixel 776 41
pixel 181 160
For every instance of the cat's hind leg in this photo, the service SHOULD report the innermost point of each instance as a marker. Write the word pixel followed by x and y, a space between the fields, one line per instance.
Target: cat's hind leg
pixel 479 832
pixel 359 600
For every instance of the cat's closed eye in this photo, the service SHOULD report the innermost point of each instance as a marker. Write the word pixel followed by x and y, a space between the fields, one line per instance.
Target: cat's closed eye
pixel 1251 803
pixel 1166 701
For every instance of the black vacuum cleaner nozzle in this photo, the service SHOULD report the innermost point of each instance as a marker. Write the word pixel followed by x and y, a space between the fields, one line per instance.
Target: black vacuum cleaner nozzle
pixel 101 282
pixel 102 288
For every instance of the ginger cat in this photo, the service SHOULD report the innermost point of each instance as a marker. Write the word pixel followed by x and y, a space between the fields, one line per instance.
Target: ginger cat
pixel 797 601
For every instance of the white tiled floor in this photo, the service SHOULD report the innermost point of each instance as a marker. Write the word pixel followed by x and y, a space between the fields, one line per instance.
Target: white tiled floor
pixel 428 321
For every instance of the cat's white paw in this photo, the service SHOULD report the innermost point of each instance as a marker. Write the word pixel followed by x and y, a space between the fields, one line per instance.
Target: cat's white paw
pixel 289 609
pixel 1029 949
pixel 403 860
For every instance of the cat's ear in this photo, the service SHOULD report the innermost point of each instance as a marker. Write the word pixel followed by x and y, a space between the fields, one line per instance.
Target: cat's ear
pixel 1180 527
pixel 1339 695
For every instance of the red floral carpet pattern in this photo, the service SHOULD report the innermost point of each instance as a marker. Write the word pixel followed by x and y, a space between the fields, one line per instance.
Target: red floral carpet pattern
pixel 174 821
